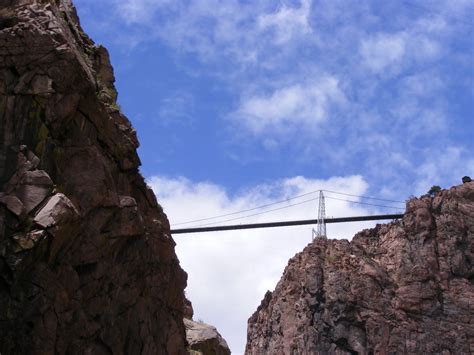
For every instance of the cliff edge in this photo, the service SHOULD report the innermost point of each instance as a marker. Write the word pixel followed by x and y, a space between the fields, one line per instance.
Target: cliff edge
pixel 402 288
pixel 87 263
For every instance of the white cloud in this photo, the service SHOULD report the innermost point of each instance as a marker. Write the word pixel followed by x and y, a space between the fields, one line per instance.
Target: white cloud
pixel 434 25
pixel 295 106
pixel 420 110
pixel 241 32
pixel 421 84
pixel 229 272
pixel 393 52
pixel 288 22
pixel 139 11
pixel 382 51
pixel 206 28
pixel 425 49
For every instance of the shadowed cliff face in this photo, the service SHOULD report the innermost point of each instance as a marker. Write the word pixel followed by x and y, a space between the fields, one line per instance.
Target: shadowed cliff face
pixel 404 288
pixel 87 264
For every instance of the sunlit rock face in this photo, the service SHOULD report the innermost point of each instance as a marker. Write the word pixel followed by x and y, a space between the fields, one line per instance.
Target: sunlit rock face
pixel 87 264
pixel 402 288
pixel 202 338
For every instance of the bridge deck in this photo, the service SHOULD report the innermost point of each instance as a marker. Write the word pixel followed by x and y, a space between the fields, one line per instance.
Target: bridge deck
pixel 285 223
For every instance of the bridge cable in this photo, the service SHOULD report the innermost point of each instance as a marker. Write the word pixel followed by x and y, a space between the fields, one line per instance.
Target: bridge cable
pixel 292 205
pixel 364 203
pixel 286 200
pixel 364 197
pixel 260 213
pixel 248 210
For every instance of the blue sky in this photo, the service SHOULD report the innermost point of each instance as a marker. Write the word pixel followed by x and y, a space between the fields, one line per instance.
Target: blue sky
pixel 241 103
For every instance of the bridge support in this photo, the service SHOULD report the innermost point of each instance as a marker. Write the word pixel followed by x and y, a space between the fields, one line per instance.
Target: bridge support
pixel 321 227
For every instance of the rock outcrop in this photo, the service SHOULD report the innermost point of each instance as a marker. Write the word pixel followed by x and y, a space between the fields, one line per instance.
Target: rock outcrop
pixel 202 338
pixel 402 288
pixel 87 263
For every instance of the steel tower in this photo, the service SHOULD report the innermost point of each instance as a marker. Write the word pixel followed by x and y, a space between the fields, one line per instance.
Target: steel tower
pixel 321 232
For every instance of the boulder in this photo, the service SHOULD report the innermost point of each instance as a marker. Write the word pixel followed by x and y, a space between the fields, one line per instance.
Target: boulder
pixel 204 339
pixel 59 210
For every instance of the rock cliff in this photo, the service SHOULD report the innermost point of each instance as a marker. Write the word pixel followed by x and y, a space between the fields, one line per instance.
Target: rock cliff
pixel 402 288
pixel 87 263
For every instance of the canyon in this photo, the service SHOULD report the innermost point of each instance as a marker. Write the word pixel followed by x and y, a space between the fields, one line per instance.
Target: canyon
pixel 88 264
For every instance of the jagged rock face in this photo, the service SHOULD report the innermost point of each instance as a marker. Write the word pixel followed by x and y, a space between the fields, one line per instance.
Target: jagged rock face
pixel 402 288
pixel 87 264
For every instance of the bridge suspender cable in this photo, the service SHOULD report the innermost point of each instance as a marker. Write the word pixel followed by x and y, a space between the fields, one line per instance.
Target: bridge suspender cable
pixel 285 223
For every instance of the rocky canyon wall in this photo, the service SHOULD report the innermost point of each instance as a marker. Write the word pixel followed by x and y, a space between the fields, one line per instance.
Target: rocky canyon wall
pixel 87 264
pixel 402 288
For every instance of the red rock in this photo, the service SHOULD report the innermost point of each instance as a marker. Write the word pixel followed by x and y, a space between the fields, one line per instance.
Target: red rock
pixel 33 188
pixel 12 203
pixel 402 288
pixel 87 264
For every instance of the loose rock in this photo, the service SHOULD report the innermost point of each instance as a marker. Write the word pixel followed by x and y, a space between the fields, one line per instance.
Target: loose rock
pixel 58 210
pixel 205 339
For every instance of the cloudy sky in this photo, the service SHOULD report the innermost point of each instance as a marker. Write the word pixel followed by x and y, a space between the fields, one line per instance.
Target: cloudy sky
pixel 240 104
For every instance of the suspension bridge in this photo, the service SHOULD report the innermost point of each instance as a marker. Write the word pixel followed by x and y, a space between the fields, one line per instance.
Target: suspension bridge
pixel 320 222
